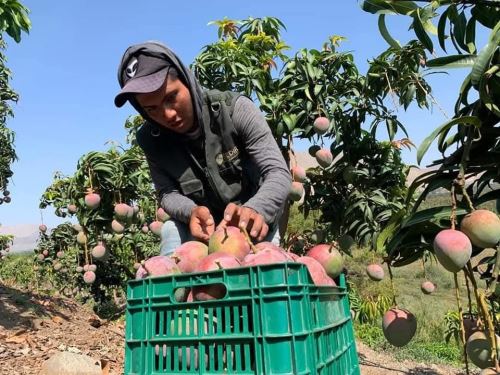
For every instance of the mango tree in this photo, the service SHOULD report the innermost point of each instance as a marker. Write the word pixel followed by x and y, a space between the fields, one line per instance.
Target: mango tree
pixel 13 21
pixel 319 95
pixel 112 199
pixel 468 168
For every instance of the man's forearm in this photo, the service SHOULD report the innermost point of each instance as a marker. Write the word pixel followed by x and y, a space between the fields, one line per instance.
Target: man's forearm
pixel 177 206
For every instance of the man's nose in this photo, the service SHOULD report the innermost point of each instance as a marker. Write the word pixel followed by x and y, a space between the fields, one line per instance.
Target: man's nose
pixel 169 114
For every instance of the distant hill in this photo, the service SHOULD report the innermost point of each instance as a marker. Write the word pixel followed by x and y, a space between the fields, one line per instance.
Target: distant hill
pixel 25 236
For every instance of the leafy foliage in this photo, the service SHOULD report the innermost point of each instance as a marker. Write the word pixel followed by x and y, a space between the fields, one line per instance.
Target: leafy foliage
pixel 293 91
pixel 118 176
pixel 5 242
pixel 13 21
pixel 468 141
pixel 368 309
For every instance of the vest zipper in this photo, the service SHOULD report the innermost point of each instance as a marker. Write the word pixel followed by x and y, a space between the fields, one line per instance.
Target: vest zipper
pixel 207 176
pixel 212 185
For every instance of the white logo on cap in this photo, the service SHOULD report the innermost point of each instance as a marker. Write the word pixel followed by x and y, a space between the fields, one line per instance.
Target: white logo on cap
pixel 132 68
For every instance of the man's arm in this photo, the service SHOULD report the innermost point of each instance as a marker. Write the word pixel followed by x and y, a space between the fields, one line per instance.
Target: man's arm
pixel 262 148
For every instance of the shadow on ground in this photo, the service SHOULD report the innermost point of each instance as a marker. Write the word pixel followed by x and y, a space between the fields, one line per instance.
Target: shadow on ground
pixel 18 308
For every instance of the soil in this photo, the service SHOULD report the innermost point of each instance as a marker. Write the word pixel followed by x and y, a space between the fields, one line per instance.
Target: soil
pixel 33 328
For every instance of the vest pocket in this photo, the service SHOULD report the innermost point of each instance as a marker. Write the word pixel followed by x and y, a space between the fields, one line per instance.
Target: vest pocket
pixel 231 169
pixel 192 188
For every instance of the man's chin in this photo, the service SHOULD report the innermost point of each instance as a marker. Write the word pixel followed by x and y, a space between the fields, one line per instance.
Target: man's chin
pixel 179 129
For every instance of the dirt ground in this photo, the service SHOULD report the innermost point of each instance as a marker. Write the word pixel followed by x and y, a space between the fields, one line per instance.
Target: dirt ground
pixel 32 328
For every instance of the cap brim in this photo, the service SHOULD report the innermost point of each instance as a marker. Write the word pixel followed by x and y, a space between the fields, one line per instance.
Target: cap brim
pixel 141 85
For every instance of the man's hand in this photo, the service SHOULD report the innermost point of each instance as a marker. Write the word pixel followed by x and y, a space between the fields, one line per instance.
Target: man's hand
pixel 245 218
pixel 201 224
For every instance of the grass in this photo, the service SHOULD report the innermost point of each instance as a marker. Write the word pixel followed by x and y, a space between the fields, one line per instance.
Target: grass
pixel 428 343
pixel 19 270
pixel 437 352
pixel 296 221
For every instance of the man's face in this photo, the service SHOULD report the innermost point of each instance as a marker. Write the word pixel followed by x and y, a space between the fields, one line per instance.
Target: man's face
pixel 170 106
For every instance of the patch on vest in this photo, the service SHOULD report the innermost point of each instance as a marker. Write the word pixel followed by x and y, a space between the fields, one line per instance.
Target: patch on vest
pixel 227 156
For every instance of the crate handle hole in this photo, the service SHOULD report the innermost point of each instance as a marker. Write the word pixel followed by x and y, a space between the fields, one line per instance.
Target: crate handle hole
pixel 181 294
pixel 209 292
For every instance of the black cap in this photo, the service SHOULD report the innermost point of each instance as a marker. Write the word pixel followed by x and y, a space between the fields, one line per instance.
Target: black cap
pixel 140 72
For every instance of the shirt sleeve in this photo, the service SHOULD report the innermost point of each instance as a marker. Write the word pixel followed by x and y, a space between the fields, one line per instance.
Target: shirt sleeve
pixel 173 202
pixel 263 150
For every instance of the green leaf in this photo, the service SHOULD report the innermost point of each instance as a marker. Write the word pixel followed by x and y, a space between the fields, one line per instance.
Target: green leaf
pixel 353 207
pixel 361 232
pixel 390 229
pixel 465 120
pixel 311 72
pixel 410 94
pixel 429 27
pixel 459 26
pixel 446 143
pixel 438 179
pixel 484 57
pixel 408 258
pixel 464 91
pixel 298 87
pixel 486 14
pixel 308 94
pixel 279 130
pixel 317 89
pixel 420 32
pixel 487 99
pixel 392 127
pixel 388 6
pixel 441 29
pixel 385 33
pixel 14 32
pixel 470 35
pixel 257 84
pixel 431 214
pixel 453 61
pixel 290 121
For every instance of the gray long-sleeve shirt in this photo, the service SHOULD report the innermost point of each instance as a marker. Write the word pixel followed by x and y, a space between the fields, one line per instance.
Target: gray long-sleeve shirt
pixel 262 149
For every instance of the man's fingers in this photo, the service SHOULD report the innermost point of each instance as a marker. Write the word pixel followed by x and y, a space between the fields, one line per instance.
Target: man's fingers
pixel 231 216
pixel 257 221
pixel 263 232
pixel 205 217
pixel 201 231
pixel 245 216
pixel 204 214
pixel 202 223
pixel 231 211
pixel 253 222
pixel 259 228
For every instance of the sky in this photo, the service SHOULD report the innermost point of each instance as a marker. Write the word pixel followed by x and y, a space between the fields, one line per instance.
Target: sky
pixel 65 74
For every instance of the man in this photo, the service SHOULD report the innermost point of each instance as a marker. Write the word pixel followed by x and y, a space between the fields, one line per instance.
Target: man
pixel 212 157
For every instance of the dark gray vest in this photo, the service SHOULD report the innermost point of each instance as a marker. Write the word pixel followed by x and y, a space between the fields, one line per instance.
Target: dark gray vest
pixel 212 171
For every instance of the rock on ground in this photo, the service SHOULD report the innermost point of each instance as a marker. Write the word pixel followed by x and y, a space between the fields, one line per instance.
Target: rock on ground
pixel 66 363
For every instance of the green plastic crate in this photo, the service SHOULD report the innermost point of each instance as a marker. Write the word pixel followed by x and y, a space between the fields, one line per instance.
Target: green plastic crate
pixel 272 320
